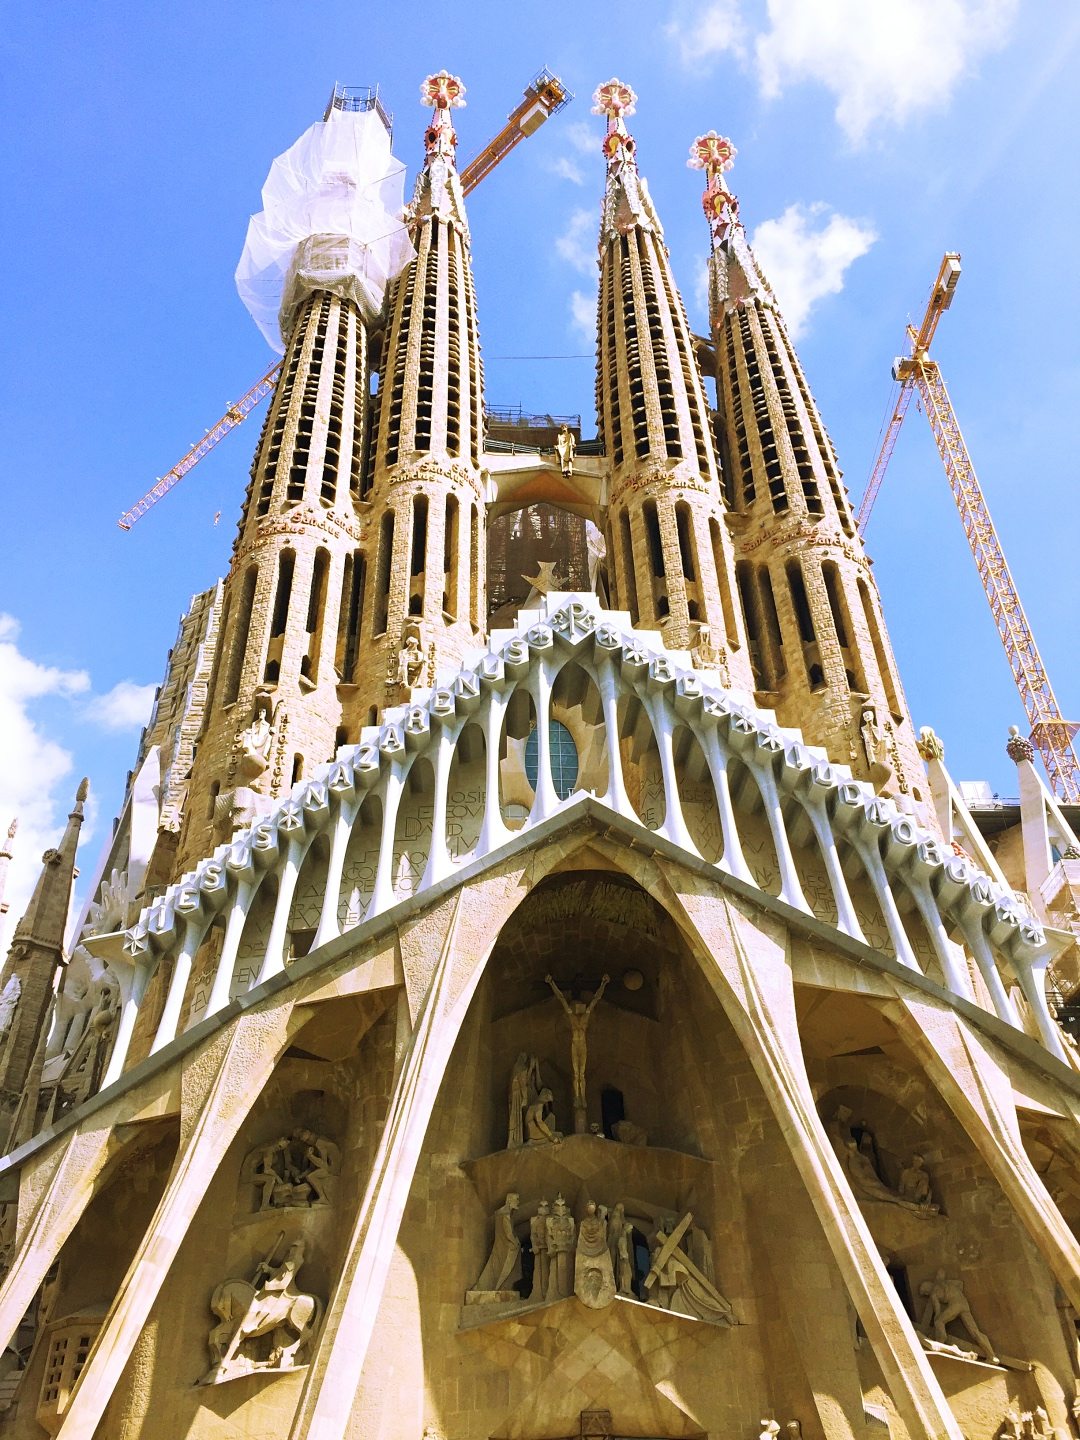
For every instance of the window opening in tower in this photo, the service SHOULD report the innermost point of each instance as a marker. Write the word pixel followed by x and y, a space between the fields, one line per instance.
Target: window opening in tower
pixel 630 599
pixel 450 552
pixel 243 632
pixel 350 615
pixel 309 665
pixel 382 575
pixel 884 668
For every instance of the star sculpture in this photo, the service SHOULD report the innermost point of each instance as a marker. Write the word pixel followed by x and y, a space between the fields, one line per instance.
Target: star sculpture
pixel 545 580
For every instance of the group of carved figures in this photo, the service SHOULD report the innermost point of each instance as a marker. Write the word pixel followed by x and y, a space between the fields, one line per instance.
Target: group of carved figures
pixel 265 1322
pixel 296 1169
pixel 594 1259
pixel 531 1104
pixel 1027 1425
pixel 856 1149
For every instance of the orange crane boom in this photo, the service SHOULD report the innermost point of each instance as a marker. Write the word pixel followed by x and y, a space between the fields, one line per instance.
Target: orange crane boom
pixel 544 95
pixel 1050 732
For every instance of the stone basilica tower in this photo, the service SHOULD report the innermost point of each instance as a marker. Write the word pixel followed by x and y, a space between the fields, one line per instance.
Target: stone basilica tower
pixel 820 652
pixel 597 1023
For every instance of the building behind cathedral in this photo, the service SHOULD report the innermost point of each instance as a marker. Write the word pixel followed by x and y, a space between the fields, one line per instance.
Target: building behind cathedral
pixel 541 983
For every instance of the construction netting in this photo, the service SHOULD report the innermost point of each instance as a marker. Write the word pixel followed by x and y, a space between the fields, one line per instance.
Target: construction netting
pixel 331 220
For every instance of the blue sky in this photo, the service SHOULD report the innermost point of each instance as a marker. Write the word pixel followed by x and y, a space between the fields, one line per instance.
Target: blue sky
pixel 871 138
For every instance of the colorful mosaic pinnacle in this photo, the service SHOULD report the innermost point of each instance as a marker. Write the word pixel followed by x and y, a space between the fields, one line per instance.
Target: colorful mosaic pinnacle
pixel 714 154
pixel 444 92
pixel 615 100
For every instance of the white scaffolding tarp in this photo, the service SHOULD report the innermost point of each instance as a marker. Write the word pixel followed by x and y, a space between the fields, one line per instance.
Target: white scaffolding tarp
pixel 331 220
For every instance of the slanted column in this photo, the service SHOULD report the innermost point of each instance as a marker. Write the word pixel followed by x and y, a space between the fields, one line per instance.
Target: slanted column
pixel 750 974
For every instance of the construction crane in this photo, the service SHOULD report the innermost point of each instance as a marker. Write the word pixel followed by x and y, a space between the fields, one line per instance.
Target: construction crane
pixel 545 94
pixel 1050 733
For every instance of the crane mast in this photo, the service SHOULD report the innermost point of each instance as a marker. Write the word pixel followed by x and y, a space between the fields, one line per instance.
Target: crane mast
pixel 1051 734
pixel 544 95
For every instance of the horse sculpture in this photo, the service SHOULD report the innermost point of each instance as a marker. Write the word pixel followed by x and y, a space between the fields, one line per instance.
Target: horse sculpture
pixel 268 1304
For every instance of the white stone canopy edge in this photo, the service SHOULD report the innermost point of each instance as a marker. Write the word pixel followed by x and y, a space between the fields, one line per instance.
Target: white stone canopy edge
pixel 573 627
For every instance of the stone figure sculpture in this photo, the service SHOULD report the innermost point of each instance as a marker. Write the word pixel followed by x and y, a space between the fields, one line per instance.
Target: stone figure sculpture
pixel 675 1283
pixel 560 1247
pixel 872 739
pixel 946 1303
pixel 538 1127
pixel 915 1182
pixel 860 1169
pixel 525 1085
pixel 621 1249
pixel 503 1266
pixel 267 1305
pixel 541 1258
pixel 299 1169
pixel 594 1276
pixel 565 449
pixel 410 660
pixel 256 742
pixel 9 1003
pixel 579 1015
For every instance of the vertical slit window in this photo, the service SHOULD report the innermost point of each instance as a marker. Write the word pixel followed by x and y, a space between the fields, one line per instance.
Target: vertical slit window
pixel 629 579
pixel 474 564
pixel 450 557
pixel 772 634
pixel 888 680
pixel 419 534
pixel 222 635
pixel 800 602
pixel 243 632
pixel 350 615
pixel 652 535
pixel 283 592
pixel 842 623
pixel 309 665
pixel 684 524
pixel 723 581
pixel 382 574
pixel 744 576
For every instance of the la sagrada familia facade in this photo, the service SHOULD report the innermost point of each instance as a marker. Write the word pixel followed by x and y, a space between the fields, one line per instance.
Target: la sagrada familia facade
pixel 602 1017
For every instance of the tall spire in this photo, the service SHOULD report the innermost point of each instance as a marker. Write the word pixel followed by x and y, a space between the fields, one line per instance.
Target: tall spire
pixel 821 654
pixel 424 589
pixel 274 708
pixel 26 982
pixel 672 563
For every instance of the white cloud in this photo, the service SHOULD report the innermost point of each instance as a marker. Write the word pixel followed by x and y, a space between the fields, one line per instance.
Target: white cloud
pixel 34 768
pixel 583 137
pixel 883 61
pixel 806 256
pixel 703 32
pixel 125 707
pixel 577 244
pixel 583 315
pixel 566 168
